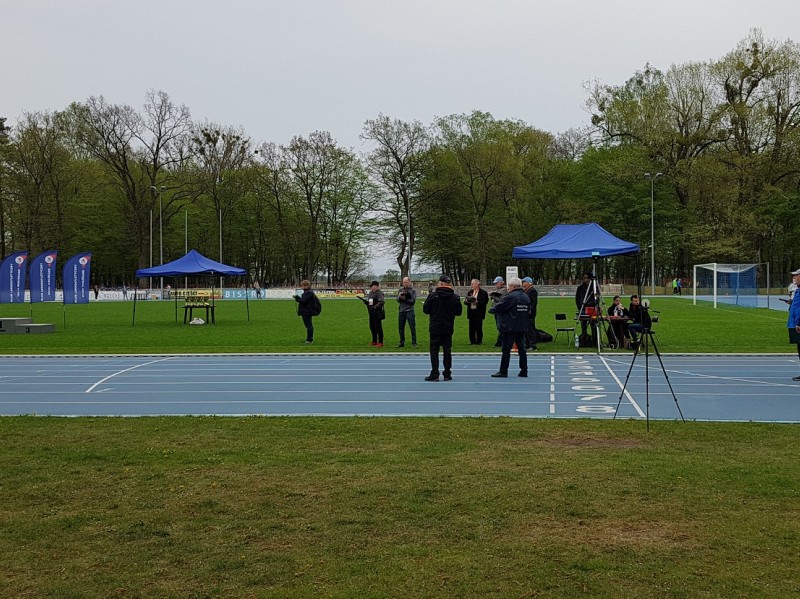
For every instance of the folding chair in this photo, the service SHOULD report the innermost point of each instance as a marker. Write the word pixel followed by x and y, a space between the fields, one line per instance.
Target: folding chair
pixel 561 320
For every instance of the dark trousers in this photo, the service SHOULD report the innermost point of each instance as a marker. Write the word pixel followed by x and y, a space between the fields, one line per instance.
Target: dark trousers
pixel 446 343
pixel 620 328
pixel 475 330
pixel 411 319
pixel 530 334
pixel 376 328
pixel 509 339
pixel 309 328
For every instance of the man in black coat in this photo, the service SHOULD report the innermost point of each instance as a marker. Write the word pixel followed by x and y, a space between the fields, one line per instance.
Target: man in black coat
pixel 476 301
pixel 443 305
pixel 305 308
pixel 512 319
pixel 533 295
pixel 586 303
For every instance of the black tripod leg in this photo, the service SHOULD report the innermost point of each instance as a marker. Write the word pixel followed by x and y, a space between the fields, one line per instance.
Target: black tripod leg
pixel 666 376
pixel 625 385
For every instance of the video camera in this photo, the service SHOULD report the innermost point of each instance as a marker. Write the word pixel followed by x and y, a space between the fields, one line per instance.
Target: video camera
pixel 646 308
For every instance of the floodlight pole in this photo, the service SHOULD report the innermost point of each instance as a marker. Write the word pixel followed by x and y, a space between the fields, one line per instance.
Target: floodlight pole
pixel 652 179
pixel 159 191
pixel 186 241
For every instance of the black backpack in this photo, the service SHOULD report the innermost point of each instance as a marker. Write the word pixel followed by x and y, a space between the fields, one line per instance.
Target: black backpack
pixel 316 307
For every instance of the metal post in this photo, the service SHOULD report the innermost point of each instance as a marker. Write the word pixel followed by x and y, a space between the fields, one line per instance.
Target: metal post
pixel 652 231
pixel 150 284
pixel 186 242
pixel 220 244
pixel 159 191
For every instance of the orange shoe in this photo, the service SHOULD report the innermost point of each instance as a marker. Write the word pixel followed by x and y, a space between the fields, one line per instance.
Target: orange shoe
pixel 379 345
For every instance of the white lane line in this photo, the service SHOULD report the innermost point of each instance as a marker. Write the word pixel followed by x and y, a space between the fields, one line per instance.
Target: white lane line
pixel 101 381
pixel 552 384
pixel 619 382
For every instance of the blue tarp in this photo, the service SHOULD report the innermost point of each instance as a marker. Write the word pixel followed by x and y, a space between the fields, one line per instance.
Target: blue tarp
pixel 193 263
pixel 576 241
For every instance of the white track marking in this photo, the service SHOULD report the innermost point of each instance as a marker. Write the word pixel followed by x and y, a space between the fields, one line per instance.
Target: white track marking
pixel 619 382
pixel 103 380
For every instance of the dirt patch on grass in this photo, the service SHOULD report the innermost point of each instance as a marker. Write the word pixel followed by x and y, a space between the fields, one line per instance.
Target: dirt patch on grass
pixel 613 533
pixel 590 442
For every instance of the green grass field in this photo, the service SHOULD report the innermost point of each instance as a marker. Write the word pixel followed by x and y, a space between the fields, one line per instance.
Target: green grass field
pixel 390 507
pixel 105 327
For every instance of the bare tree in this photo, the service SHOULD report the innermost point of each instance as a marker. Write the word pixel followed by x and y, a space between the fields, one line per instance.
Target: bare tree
pixel 398 163
pixel 141 153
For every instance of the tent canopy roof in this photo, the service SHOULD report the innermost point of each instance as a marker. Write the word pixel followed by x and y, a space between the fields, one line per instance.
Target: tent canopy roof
pixel 193 263
pixel 576 241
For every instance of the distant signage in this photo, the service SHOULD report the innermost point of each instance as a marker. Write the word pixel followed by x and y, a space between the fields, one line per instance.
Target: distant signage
pixel 511 271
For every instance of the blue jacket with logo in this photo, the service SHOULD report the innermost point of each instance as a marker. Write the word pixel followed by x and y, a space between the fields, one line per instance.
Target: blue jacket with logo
pixel 512 312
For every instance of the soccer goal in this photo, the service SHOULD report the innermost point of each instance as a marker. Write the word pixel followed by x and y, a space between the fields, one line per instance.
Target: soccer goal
pixel 738 284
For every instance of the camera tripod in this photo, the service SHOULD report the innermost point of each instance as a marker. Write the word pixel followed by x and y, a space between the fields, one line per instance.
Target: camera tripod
pixel 593 299
pixel 645 340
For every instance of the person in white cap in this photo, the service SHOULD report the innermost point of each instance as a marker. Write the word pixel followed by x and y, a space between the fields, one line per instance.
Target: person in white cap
pixel 497 294
pixel 513 314
pixel 794 317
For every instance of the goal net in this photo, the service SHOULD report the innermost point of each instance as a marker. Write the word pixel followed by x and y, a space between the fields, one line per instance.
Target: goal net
pixel 737 284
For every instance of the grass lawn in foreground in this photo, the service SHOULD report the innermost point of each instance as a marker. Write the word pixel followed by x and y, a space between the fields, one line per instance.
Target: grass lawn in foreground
pixel 105 327
pixel 391 507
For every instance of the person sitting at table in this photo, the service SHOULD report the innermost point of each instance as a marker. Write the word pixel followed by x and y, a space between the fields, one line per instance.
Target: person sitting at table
pixel 619 316
pixel 640 319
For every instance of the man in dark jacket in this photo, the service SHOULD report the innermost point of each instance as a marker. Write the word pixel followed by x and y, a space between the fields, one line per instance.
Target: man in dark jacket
pixel 640 320
pixel 496 295
pixel 512 319
pixel 443 305
pixel 406 297
pixel 476 301
pixel 586 303
pixel 533 295
pixel 305 308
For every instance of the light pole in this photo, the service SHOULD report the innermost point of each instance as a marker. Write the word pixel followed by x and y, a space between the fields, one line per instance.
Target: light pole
pixel 186 242
pixel 407 202
pixel 159 191
pixel 652 179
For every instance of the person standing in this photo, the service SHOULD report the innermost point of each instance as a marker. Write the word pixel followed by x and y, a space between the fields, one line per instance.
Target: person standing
pixel 680 285
pixel 306 303
pixel 476 301
pixel 375 302
pixel 406 298
pixel 794 316
pixel 675 286
pixel 533 296
pixel 512 313
pixel 442 306
pixel 586 302
pixel 497 294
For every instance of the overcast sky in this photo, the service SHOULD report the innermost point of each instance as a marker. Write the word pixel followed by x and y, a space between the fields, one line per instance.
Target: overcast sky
pixel 290 67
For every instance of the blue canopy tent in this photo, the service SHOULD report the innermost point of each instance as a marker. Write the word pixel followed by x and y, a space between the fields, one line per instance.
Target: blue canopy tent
pixel 193 263
pixel 569 242
pixel 588 240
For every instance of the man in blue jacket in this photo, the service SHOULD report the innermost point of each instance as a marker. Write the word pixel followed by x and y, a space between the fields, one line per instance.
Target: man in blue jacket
pixel 512 321
pixel 794 316
pixel 443 305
